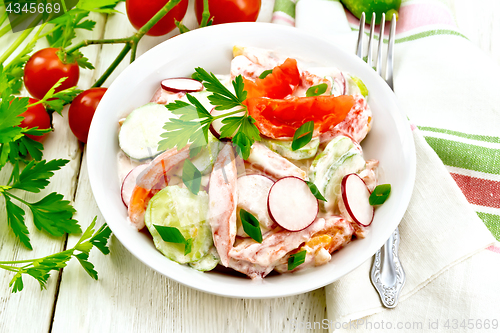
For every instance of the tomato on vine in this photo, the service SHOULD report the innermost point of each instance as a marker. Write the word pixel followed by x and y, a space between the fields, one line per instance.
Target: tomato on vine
pixel 82 111
pixel 139 12
pixel 44 69
pixel 226 11
pixel 35 116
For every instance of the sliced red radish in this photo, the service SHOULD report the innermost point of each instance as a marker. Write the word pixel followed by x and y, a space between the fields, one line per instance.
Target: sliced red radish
pixel 355 197
pixel 291 204
pixel 216 125
pixel 129 183
pixel 181 84
pixel 253 191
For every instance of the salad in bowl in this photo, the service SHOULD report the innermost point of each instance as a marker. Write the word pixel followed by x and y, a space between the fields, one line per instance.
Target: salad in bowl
pixel 243 165
pixel 257 170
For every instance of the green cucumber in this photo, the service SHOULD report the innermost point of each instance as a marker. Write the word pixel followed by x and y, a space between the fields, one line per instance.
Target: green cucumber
pixel 284 148
pixel 177 207
pixel 340 157
pixel 208 262
pixel 140 133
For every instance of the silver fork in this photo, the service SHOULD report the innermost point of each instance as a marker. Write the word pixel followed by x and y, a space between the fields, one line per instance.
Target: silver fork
pixel 387 274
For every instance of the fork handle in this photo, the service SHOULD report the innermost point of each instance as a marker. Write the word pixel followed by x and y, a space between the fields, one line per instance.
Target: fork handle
pixel 387 274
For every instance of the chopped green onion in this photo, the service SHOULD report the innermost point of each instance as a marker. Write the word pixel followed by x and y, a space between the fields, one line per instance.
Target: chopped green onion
pixel 316 90
pixel 296 259
pixel 303 135
pixel 265 73
pixel 170 234
pixel 315 191
pixel 188 246
pixel 191 177
pixel 251 225
pixel 380 194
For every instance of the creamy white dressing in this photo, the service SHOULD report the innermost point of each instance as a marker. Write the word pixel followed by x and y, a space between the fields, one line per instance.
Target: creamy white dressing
pixel 245 255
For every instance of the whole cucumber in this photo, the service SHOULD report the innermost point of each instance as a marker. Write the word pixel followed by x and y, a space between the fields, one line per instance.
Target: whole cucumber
pixel 357 7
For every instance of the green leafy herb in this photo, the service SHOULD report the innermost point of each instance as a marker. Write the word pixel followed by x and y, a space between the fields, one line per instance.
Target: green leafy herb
pixel 191 177
pixel 52 213
pixel 40 268
pixel 316 90
pixel 10 111
pixel 303 135
pixel 251 225
pixel 194 120
pixel 315 191
pixel 380 194
pixel 296 259
pixel 173 235
pixel 265 73
pixel 56 101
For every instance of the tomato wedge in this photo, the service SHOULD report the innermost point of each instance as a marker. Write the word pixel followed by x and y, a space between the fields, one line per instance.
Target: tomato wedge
pixel 280 83
pixel 280 118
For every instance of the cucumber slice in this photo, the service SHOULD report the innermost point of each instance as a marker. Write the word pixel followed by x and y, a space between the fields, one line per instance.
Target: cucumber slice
pixel 284 148
pixel 208 262
pixel 178 207
pixel 340 157
pixel 140 133
pixel 205 160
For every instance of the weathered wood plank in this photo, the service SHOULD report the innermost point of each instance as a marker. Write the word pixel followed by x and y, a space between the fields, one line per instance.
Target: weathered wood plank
pixel 59 144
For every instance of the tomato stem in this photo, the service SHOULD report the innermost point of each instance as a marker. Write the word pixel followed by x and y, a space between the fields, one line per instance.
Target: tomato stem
pixel 113 65
pixel 87 42
pixel 205 16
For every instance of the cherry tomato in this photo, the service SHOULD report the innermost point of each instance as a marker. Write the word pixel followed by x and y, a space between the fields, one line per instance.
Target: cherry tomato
pixel 279 118
pixel 139 12
pixel 82 111
pixel 226 11
pixel 35 116
pixel 44 69
pixel 278 84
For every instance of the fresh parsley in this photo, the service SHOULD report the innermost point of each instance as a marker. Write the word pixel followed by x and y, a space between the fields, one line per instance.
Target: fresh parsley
pixel 173 235
pixel 296 259
pixel 303 135
pixel 316 90
pixel 40 268
pixel 380 194
pixel 52 213
pixel 315 191
pixel 251 225
pixel 194 120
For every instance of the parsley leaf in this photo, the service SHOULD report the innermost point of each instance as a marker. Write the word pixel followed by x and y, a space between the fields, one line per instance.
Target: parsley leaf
pixel 10 110
pixel 221 96
pixel 15 219
pixel 40 268
pixel 35 176
pixel 54 215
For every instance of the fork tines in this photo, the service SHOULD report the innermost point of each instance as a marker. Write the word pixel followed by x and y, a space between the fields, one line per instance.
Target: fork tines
pixel 390 51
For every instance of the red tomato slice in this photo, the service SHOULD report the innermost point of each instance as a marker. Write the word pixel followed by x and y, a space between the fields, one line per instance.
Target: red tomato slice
pixel 279 84
pixel 279 118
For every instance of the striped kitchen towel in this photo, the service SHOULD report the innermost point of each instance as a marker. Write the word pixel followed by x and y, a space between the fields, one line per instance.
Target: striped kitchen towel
pixel 448 89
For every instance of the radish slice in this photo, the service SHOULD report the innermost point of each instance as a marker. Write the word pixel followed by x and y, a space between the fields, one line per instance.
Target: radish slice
pixel 216 125
pixel 130 181
pixel 181 84
pixel 355 196
pixel 291 204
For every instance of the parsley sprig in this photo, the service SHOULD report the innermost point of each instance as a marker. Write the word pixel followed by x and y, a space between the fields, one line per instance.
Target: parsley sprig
pixel 52 213
pixel 194 119
pixel 40 268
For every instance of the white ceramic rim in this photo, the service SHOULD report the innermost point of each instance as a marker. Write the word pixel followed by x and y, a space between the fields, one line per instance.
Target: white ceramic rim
pixel 219 284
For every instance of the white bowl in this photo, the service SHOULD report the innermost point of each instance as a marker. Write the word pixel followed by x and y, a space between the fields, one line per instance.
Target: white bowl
pixel 390 141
